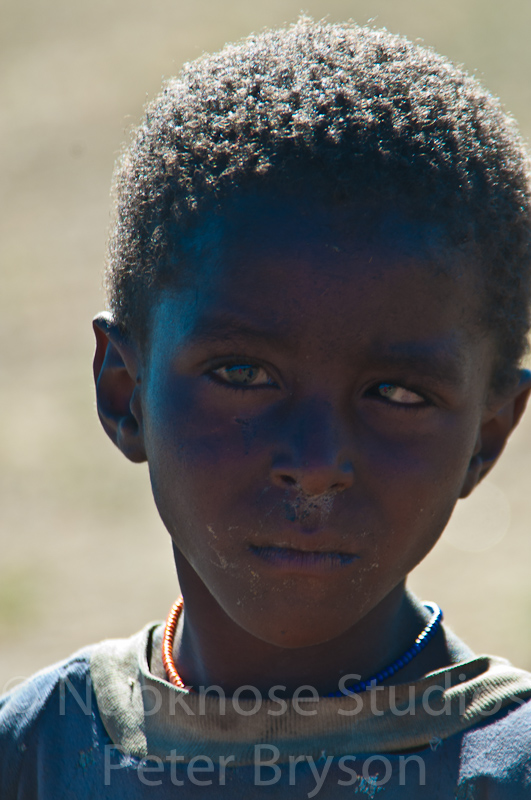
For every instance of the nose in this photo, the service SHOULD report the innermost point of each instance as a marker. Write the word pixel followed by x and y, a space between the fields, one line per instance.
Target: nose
pixel 314 457
pixel 316 479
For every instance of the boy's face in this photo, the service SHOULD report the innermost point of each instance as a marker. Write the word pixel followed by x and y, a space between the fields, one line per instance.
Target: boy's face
pixel 310 408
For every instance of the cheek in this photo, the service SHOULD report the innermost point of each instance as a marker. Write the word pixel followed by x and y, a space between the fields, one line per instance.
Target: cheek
pixel 199 461
pixel 418 482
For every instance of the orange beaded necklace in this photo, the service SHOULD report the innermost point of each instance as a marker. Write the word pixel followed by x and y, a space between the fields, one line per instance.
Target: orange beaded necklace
pixel 167 644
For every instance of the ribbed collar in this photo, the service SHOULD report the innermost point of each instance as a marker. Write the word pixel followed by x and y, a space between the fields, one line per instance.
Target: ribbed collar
pixel 145 715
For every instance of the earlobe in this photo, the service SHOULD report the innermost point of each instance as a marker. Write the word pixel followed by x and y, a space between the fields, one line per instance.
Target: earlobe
pixel 118 388
pixel 494 433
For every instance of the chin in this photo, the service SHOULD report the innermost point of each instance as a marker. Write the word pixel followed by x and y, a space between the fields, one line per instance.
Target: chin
pixel 296 630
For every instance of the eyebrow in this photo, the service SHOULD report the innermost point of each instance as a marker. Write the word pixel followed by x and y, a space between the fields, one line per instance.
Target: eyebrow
pixel 442 361
pixel 220 328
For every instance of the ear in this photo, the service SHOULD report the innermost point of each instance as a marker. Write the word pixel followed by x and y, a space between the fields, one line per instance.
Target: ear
pixel 494 432
pixel 117 379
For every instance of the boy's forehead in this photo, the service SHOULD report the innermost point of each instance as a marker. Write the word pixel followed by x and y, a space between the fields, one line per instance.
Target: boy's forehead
pixel 267 220
pixel 304 233
pixel 285 272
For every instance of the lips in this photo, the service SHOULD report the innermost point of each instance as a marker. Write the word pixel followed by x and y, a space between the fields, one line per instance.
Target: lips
pixel 293 559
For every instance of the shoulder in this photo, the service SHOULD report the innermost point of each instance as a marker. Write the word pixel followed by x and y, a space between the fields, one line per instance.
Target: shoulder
pixel 496 755
pixel 21 708
pixel 52 735
pixel 31 711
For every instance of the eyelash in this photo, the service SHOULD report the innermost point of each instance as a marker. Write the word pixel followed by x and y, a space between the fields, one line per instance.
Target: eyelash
pixel 371 392
pixel 240 362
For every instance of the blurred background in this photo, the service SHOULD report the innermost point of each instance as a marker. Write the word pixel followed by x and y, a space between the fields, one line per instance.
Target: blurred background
pixel 83 554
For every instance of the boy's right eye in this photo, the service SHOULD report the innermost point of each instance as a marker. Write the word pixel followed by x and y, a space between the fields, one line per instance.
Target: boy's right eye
pixel 241 375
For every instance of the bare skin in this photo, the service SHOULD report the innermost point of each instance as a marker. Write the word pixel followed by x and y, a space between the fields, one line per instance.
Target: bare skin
pixel 311 407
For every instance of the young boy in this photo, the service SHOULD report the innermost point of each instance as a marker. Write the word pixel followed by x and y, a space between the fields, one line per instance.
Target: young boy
pixel 319 281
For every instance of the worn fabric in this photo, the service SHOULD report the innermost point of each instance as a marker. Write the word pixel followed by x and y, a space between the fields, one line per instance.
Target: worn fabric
pixel 102 725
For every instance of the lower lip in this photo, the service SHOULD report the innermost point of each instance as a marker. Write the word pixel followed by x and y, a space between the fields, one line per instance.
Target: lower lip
pixel 302 560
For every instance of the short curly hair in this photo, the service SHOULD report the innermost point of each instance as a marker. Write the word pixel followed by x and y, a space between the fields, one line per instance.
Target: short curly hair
pixel 361 114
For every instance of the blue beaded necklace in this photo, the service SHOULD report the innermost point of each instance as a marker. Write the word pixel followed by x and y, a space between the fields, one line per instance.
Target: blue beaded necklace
pixel 420 643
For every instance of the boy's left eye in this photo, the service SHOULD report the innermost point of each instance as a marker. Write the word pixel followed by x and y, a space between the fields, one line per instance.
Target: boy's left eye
pixel 243 375
pixel 397 394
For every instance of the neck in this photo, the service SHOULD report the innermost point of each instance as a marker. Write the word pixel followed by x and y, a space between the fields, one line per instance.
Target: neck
pixel 211 649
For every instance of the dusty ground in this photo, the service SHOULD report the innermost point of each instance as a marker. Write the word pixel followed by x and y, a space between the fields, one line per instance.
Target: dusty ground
pixel 83 555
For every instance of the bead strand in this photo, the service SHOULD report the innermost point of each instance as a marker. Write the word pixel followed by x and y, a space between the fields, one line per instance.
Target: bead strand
pixel 419 644
pixel 167 643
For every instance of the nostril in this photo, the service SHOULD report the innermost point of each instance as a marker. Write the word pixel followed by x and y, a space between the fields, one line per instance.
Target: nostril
pixel 288 480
